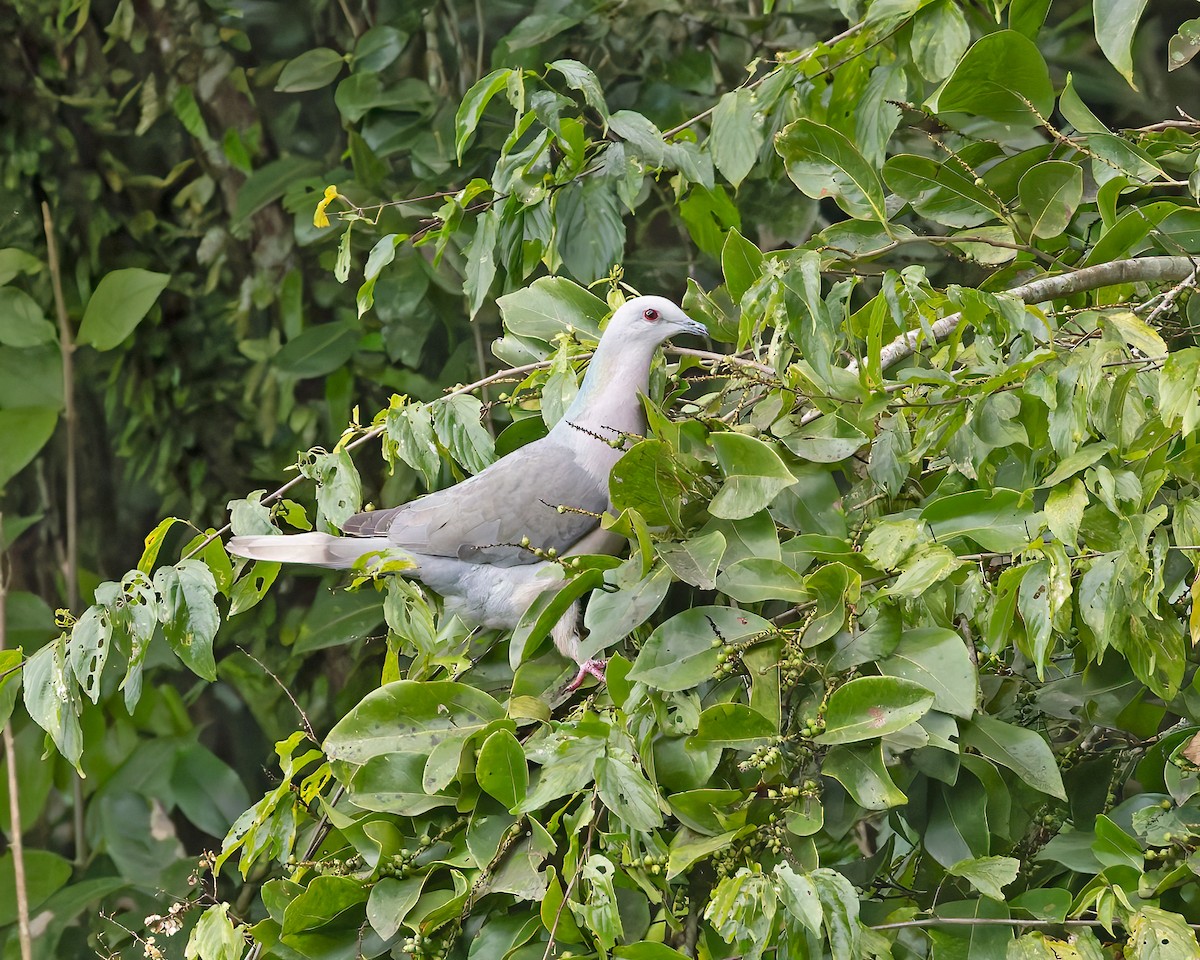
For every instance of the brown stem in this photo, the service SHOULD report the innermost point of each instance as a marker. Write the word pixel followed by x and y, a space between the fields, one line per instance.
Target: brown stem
pixel 67 345
pixel 71 574
pixel 14 809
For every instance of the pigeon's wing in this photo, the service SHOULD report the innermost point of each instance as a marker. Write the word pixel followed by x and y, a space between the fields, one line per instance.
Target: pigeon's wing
pixel 540 491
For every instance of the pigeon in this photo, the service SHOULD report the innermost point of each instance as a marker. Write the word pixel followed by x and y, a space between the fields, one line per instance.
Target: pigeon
pixel 482 544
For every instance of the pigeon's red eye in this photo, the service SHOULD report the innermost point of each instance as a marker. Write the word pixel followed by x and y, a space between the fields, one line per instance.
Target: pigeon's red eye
pixel 651 315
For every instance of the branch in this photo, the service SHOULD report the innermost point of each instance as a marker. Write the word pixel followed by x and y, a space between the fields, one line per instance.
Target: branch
pixel 14 807
pixel 717 358
pixel 66 344
pixel 992 922
pixel 1145 269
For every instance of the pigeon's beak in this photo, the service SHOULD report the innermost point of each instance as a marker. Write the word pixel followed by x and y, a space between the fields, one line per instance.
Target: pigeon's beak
pixel 691 326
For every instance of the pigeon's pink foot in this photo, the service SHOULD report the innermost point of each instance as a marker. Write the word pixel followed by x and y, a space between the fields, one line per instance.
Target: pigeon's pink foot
pixel 593 667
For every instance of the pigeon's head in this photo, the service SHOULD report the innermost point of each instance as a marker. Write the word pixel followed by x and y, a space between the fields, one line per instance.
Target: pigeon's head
pixel 650 320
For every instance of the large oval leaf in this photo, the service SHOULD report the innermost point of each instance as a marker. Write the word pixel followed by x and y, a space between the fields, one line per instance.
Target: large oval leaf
pixel 998 78
pixel 318 350
pixel 823 163
pixel 683 651
pixel 754 475
pixel 410 716
pixel 119 303
pixel 872 707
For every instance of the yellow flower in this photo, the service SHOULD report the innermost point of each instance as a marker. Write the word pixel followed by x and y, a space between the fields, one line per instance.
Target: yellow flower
pixel 319 218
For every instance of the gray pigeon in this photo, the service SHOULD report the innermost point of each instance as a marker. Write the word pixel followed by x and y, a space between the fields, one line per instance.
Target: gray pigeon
pixel 468 542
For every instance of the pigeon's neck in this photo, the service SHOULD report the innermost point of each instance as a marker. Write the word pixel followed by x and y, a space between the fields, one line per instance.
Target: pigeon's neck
pixel 609 397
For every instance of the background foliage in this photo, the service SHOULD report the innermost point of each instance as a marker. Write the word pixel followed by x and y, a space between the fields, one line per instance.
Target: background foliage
pixel 902 656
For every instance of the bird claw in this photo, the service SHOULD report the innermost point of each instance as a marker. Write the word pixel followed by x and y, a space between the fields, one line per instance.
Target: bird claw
pixel 594 668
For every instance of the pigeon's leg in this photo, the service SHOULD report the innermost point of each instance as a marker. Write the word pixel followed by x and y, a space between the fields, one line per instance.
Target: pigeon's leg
pixel 593 667
pixel 565 634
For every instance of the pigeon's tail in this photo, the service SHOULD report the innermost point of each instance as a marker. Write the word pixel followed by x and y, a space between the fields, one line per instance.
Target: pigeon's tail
pixel 321 550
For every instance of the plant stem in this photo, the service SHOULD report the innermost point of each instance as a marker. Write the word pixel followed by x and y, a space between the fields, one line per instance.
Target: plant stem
pixel 71 572
pixel 14 808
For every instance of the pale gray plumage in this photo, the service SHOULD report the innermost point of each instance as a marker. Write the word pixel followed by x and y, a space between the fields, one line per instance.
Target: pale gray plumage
pixel 465 542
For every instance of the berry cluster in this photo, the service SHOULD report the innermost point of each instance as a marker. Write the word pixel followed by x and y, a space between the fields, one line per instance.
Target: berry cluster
pixel 399 865
pixel 812 726
pixel 428 948
pixel 763 757
pixel 729 660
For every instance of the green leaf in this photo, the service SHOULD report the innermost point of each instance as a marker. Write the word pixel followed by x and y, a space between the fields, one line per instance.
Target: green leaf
pixel 189 614
pixel 995 518
pixel 89 648
pixel 624 789
pixel 45 872
pixel 153 543
pixel 828 439
pixel 647 950
pixel 1178 390
pixel 389 903
pixel 22 323
pixel 338 618
pixel 741 262
pixel 14 261
pixel 861 770
pixel 940 36
pixel 409 716
pixel 580 77
pixel 409 435
pixel 998 78
pixel 270 182
pixel 319 350
pixel 1023 751
pixel 1050 193
pixel 52 698
pixel 118 304
pixel 1155 934
pixel 1116 24
pixel 641 135
pixel 457 422
pixel 941 192
pixel 378 48
pixel 480 256
pixel 612 616
pixel 311 70
pixel 988 875
pixel 929 564
pixel 501 769
pixel 590 234
pixel 759 578
pixel 215 937
pixel 823 163
pixel 754 475
pixel 695 561
pixel 646 480
pixel 871 707
pixel 470 111
pixel 737 135
pixel 550 306
pixel 339 488
pixel 732 725
pixel 25 431
pixel 682 652
pixel 937 659
pixel 1182 47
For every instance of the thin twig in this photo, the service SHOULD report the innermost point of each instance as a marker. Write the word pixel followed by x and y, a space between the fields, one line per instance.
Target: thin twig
pixel 728 358
pixel 308 727
pixel 71 560
pixel 14 801
pixel 583 858
pixel 992 922
pixel 67 346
